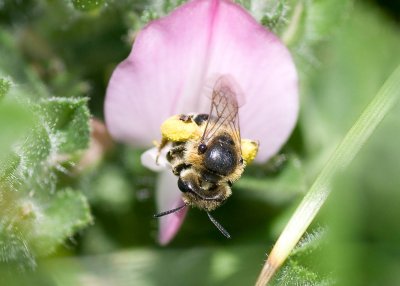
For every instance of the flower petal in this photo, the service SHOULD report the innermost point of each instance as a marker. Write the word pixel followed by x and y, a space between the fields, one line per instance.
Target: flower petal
pixel 149 160
pixel 263 68
pixel 168 198
pixel 174 57
pixel 162 75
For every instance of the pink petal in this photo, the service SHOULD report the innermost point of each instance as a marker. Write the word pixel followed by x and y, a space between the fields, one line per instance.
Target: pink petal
pixel 266 74
pixel 162 74
pixel 169 197
pixel 174 57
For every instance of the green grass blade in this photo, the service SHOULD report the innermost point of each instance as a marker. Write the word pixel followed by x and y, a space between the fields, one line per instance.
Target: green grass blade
pixel 340 159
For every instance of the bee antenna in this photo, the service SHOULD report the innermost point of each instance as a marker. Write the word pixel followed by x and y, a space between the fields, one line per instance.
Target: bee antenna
pixel 169 212
pixel 219 226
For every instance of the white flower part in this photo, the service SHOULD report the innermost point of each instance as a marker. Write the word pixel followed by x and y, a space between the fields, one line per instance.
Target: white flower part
pixel 150 161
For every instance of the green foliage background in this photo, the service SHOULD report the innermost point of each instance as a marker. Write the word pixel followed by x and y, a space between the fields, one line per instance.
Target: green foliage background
pixel 64 225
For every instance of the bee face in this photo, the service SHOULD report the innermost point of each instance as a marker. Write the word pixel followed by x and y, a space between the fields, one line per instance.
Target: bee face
pixel 221 156
pixel 200 193
pixel 201 187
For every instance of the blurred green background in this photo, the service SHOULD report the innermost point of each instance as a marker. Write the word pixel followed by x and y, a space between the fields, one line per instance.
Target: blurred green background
pixel 67 221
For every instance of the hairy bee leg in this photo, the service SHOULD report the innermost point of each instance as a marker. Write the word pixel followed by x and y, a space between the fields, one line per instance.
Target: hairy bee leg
pixel 175 151
pixel 163 143
pixel 185 117
pixel 249 150
pixel 176 157
pixel 178 129
pixel 179 168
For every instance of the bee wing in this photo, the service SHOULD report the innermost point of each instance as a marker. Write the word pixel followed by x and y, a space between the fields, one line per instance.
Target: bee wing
pixel 224 111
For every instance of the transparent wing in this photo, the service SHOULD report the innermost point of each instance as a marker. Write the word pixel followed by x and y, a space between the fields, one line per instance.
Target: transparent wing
pixel 223 112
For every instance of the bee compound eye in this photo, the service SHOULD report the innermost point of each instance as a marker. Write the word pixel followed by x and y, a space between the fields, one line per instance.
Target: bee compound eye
pixel 201 118
pixel 202 148
pixel 183 186
pixel 220 159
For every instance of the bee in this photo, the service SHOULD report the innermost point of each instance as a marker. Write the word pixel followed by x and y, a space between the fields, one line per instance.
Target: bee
pixel 207 153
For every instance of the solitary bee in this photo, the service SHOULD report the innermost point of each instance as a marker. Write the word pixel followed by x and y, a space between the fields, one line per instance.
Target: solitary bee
pixel 207 153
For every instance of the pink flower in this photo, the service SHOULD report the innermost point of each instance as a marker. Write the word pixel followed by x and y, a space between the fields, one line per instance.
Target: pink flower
pixel 171 62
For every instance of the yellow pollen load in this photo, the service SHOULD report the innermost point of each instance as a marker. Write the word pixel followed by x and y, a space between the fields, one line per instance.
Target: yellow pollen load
pixel 249 150
pixel 176 130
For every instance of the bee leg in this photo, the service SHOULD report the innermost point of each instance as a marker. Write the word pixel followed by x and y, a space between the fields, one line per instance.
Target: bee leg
pixel 185 118
pixel 179 168
pixel 176 157
pixel 164 142
pixel 223 191
pixel 175 152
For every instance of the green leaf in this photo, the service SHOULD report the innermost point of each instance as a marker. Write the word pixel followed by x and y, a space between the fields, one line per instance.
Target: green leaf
pixel 301 267
pixel 309 243
pixel 35 226
pixel 4 87
pixel 35 215
pixel 309 23
pixel 60 217
pixel 296 274
pixel 36 148
pixel 300 24
pixel 308 26
pixel 14 249
pixel 16 120
pixel 275 16
pixel 67 122
pixel 87 5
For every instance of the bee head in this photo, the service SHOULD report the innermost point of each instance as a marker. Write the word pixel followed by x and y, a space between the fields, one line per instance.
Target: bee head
pixel 220 156
pixel 199 193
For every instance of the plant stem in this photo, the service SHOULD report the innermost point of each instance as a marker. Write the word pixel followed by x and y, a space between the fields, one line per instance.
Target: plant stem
pixel 290 33
pixel 340 159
